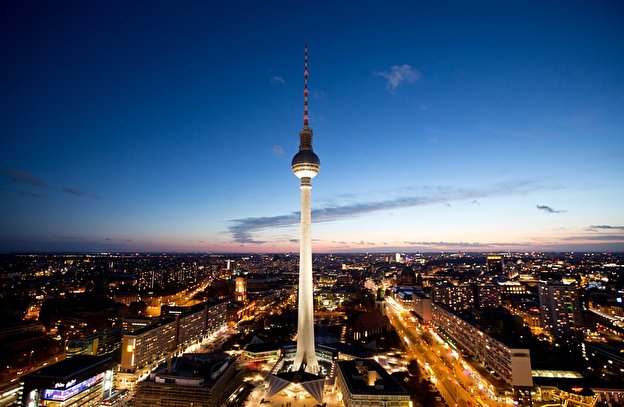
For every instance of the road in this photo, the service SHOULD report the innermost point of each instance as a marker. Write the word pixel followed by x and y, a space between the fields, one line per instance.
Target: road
pixel 458 385
pixel 10 383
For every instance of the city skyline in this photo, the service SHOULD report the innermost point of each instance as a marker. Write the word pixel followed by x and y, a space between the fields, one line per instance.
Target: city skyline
pixel 489 127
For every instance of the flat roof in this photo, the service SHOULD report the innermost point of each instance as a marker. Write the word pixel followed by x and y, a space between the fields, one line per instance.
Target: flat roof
pixel 197 365
pixel 77 367
pixel 162 322
pixel 354 371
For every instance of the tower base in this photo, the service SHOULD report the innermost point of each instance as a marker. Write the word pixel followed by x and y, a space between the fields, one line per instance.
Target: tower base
pixel 293 382
pixel 311 383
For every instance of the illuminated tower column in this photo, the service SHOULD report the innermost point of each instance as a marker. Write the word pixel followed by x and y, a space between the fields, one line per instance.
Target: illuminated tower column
pixel 305 165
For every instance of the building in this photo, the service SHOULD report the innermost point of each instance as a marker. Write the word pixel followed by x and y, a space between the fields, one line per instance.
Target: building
pixel 197 379
pixel 512 288
pixel 422 306
pixel 191 321
pixel 147 345
pixel 240 289
pixel 132 324
pixel 363 382
pixel 179 327
pixel 20 330
pixel 406 277
pixel 495 265
pixel 370 324
pixel 456 297
pixel 560 310
pixel 99 343
pixel 512 365
pixel 404 296
pixel 191 326
pixel 216 316
pixel 488 295
pixel 380 303
pixel 83 380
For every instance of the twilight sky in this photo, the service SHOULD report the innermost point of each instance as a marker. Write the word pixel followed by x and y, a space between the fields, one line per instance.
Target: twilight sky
pixel 441 125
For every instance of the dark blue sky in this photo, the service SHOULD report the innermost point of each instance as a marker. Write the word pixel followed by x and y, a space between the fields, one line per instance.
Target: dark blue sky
pixel 440 125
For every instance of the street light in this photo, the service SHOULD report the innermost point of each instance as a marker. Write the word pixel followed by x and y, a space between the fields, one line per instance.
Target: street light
pixel 30 359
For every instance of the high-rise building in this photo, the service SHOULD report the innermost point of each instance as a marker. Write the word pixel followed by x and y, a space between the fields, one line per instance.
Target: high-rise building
pixel 305 165
pixel 559 308
pixel 495 265
pixel 512 364
pixel 143 349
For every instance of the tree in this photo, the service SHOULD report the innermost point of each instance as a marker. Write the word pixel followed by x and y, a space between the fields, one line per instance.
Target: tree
pixel 427 337
pixel 413 369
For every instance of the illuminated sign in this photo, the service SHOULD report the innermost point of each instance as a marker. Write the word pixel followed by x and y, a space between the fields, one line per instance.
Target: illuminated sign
pixel 65 385
pixel 62 395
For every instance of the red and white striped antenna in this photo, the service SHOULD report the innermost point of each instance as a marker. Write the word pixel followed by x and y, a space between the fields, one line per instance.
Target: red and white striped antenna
pixel 305 88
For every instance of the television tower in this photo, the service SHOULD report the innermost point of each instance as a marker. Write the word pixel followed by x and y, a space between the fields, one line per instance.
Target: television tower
pixel 305 165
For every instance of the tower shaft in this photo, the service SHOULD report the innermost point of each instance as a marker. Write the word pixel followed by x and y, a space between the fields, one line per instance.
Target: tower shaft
pixel 306 354
pixel 305 165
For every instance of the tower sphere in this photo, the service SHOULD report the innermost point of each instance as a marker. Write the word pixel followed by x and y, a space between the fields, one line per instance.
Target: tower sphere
pixel 306 164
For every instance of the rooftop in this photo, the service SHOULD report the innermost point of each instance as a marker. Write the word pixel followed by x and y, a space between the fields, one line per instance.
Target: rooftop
pixel 71 368
pixel 357 374
pixel 205 367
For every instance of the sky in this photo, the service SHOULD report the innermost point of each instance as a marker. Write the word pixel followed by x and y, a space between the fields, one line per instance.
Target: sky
pixel 155 126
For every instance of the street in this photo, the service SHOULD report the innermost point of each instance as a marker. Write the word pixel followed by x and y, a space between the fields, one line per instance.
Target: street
pixel 447 371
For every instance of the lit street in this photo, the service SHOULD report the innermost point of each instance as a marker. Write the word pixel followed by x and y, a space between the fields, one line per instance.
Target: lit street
pixel 440 363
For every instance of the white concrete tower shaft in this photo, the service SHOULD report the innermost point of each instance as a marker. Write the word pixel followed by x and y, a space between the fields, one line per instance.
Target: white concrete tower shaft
pixel 305 165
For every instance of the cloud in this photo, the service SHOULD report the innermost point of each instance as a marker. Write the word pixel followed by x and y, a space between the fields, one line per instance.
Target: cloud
pixel 448 205
pixel 398 75
pixel 23 177
pixel 363 243
pixel 277 80
pixel 605 238
pixel 464 244
pixel 474 202
pixel 604 227
pixel 278 150
pixel 548 209
pixel 242 229
pixel 79 192
pixel 73 191
pixel 33 194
